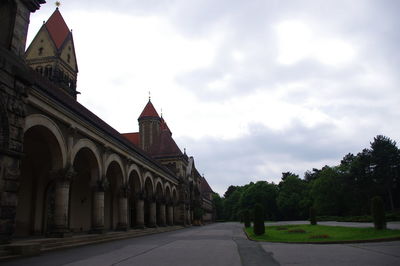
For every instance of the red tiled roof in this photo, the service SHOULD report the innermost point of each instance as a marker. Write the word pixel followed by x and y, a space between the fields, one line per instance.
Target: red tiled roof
pixel 149 111
pixel 205 187
pixel 164 126
pixel 57 28
pixel 165 146
pixel 133 137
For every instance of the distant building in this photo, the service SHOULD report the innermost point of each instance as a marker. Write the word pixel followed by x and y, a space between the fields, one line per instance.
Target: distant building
pixel 64 170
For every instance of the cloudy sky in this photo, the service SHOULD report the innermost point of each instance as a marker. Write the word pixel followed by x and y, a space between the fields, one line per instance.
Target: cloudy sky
pixel 250 88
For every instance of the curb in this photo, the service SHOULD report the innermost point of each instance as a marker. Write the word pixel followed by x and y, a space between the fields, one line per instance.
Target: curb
pixel 388 239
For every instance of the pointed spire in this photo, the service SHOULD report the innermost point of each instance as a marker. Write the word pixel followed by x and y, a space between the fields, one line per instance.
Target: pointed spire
pixel 149 111
pixel 57 28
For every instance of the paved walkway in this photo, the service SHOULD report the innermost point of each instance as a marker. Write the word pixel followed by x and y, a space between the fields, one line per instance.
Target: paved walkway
pixel 216 244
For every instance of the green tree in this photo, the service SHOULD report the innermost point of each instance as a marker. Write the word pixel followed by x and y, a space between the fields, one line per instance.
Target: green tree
pixel 218 203
pixel 261 192
pixel 378 213
pixel 327 192
pixel 385 158
pixel 293 201
pixel 259 228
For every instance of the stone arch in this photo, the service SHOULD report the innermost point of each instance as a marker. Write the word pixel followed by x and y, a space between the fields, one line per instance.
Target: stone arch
pixel 135 188
pixel 43 148
pixel 115 158
pixel 148 177
pixel 86 143
pixel 44 121
pixel 115 178
pixel 167 191
pixel 86 162
pixel 149 204
pixel 134 169
pixel 159 185
pixel 175 196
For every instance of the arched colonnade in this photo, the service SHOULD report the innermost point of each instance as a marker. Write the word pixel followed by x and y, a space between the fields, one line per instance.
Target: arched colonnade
pixel 71 184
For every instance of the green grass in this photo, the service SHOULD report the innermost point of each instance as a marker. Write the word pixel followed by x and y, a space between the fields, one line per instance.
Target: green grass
pixel 320 233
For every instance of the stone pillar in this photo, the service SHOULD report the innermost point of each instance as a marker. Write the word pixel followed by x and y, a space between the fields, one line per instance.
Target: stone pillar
pixel 153 212
pixel 98 209
pixel 162 214
pixel 123 210
pixel 139 212
pixel 61 202
pixel 170 214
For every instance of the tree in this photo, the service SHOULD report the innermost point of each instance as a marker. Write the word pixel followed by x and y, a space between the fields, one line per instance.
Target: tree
pixel 378 213
pixel 293 201
pixel 313 216
pixel 261 192
pixel 385 158
pixel 327 192
pixel 246 218
pixel 218 203
pixel 259 228
pixel 232 206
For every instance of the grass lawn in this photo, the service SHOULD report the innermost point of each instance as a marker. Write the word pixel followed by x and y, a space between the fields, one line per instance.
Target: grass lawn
pixel 320 233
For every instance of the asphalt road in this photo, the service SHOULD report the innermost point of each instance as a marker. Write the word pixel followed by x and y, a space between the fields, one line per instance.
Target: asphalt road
pixel 216 244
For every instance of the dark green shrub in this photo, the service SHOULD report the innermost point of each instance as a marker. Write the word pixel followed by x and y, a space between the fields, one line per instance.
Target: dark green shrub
pixel 313 216
pixel 246 218
pixel 378 213
pixel 259 228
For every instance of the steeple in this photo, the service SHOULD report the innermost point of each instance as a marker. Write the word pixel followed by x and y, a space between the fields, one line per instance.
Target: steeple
pixel 52 53
pixel 149 126
pixel 149 111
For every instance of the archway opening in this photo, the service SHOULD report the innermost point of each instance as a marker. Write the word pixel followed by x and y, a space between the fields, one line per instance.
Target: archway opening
pixel 169 207
pixel 111 196
pixel 148 195
pixel 35 209
pixel 159 203
pixel 80 208
pixel 134 186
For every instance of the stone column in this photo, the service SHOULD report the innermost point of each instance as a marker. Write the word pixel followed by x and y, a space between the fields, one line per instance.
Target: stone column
pixel 61 202
pixel 98 208
pixel 162 213
pixel 139 206
pixel 153 212
pixel 123 210
pixel 170 214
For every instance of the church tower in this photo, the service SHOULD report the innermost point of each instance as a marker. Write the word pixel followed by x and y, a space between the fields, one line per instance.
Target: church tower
pixel 52 54
pixel 149 127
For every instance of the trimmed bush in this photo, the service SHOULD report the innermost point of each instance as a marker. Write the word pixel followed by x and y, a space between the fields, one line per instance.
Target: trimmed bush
pixel 378 213
pixel 259 228
pixel 313 216
pixel 246 218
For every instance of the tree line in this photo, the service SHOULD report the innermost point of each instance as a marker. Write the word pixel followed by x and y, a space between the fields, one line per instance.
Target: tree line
pixel 342 190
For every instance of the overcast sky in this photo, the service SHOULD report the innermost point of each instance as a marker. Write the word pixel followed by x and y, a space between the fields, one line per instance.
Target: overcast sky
pixel 250 88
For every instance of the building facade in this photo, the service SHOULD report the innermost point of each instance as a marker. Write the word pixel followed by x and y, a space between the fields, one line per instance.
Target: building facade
pixel 63 170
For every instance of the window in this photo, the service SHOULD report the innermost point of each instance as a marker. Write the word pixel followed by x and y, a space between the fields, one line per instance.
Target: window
pixel 40 51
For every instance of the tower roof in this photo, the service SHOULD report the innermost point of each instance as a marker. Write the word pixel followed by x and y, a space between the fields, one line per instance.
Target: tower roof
pixel 57 28
pixel 149 111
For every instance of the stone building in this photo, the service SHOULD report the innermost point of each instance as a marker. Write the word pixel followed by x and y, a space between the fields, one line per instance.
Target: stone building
pixel 63 169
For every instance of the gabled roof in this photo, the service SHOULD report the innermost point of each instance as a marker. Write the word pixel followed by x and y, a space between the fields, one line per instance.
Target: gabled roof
pixel 133 137
pixel 149 111
pixel 205 187
pixel 57 28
